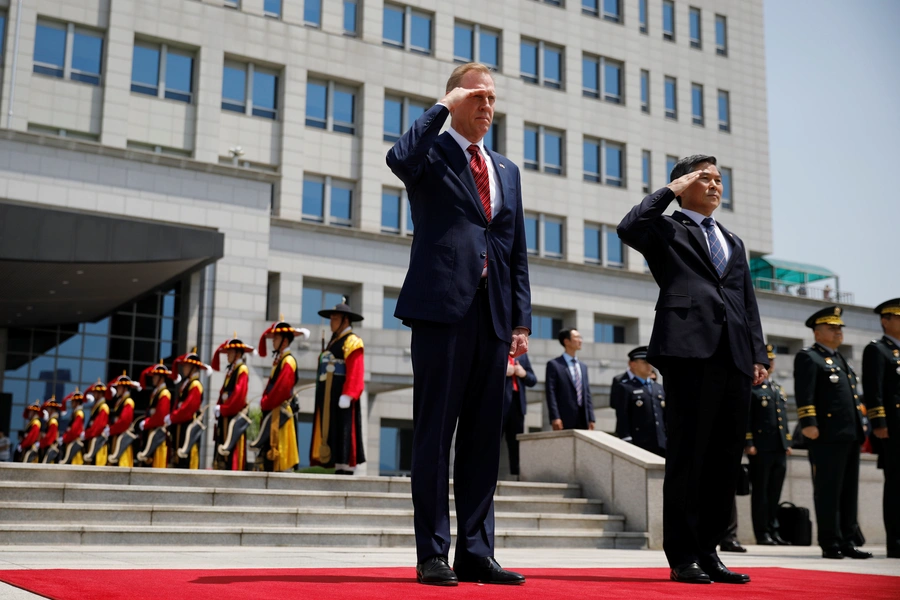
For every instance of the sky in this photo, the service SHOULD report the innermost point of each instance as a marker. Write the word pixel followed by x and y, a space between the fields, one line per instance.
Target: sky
pixel 833 81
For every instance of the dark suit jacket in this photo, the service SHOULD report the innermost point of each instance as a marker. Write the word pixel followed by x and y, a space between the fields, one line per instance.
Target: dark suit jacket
pixel 562 403
pixel 694 303
pixel 528 381
pixel 452 235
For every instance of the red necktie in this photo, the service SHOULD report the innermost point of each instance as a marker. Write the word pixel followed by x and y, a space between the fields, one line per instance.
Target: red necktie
pixel 515 379
pixel 482 182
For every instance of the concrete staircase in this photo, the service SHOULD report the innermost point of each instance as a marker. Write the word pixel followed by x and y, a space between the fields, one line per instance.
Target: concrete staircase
pixel 50 504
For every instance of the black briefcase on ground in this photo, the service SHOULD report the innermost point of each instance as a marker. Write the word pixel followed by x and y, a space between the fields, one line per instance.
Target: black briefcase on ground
pixel 743 485
pixel 794 524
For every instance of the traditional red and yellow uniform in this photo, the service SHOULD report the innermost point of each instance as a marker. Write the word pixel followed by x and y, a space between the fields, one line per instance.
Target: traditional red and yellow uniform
pixel 99 421
pixel 189 400
pixel 158 410
pixel 121 418
pixel 32 433
pixel 71 451
pixel 232 419
pixel 49 450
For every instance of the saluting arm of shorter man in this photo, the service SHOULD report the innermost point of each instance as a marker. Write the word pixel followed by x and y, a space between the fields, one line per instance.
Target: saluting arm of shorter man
pixel 635 229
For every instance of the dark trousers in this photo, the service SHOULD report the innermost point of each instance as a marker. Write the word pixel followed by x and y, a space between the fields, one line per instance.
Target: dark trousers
pixel 835 468
pixel 891 501
pixel 458 378
pixel 707 405
pixel 731 531
pixel 767 471
pixel 514 424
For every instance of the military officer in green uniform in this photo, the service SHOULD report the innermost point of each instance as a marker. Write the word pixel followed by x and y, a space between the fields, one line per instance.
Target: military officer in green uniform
pixel 881 376
pixel 831 418
pixel 768 446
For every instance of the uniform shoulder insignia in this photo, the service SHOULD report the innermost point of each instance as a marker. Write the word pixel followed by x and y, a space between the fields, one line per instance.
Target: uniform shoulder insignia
pixel 351 344
pixel 165 393
pixel 129 402
pixel 53 421
pixel 79 413
pixel 105 408
pixel 196 383
pixel 290 360
pixel 243 369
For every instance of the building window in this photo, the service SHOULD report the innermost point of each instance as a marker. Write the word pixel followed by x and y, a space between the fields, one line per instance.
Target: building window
pixel 473 40
pixel 697 104
pixel 2 34
pixel 602 246
pixel 590 7
pixel 389 305
pixel 603 162
pixel 328 196
pixel 608 332
pixel 162 71
pixel 545 325
pixel 396 215
pixel 553 237
pixel 695 33
pixel 727 196
pixel 552 2
pixel 351 16
pixel 668 20
pixel 642 16
pixel 602 73
pixel 545 235
pixel 399 115
pixel 321 295
pixel 232 4
pixel 645 171
pixel 721 36
pixel 492 138
pixel 724 111
pixel 406 28
pixel 273 296
pixel 250 90
pixel 532 240
pixel 52 57
pixel 671 98
pixel 612 10
pixel 312 13
pixel 541 63
pixel 272 8
pixel 645 90
pixel 330 106
pixel 671 161
pixel 395 448
pixel 543 149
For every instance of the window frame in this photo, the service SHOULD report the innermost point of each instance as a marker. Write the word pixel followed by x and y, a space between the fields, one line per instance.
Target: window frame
pixel 727 202
pixel 601 176
pixel 673 112
pixel 477 30
pixel 540 77
pixel 616 17
pixel 355 31
pixel 540 164
pixel 698 119
pixel 249 108
pixel 726 124
pixel 406 44
pixel 722 47
pixel 162 90
pixel 328 184
pixel 66 70
pixel 695 42
pixel 668 35
pixel 643 18
pixel 272 14
pixel 330 123
pixel 645 86
pixel 646 171
pixel 600 63
pixel 312 24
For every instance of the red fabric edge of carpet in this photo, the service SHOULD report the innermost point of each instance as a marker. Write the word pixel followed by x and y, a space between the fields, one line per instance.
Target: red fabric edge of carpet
pixel 399 582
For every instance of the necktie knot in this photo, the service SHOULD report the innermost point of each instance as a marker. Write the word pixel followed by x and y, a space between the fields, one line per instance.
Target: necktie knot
pixel 707 222
pixel 473 149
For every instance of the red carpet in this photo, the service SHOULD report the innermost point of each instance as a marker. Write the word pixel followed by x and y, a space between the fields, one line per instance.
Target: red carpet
pixel 399 584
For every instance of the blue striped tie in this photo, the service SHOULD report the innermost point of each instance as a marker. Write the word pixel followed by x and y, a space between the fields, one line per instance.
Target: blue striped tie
pixel 716 251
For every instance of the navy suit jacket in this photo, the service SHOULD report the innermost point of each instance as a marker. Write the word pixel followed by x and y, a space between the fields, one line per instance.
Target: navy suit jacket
pixel 562 403
pixel 528 381
pixel 694 304
pixel 452 235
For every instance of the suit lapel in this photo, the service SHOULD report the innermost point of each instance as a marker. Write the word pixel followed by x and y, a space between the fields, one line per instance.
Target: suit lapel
pixel 702 246
pixel 459 164
pixel 503 178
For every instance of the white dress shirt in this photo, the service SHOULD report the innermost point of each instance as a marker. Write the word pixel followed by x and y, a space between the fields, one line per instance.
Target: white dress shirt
pixel 492 172
pixel 698 219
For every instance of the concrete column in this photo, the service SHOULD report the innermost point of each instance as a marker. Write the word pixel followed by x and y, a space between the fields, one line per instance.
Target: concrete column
pixel 119 48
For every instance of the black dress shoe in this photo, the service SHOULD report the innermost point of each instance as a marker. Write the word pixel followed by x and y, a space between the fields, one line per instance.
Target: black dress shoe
pixel 485 570
pixel 832 553
pixel 689 573
pixel 734 546
pixel 780 540
pixel 893 553
pixel 854 552
pixel 436 571
pixel 719 573
pixel 766 540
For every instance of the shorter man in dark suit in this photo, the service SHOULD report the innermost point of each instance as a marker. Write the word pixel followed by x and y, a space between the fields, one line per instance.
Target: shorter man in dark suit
pixel 519 375
pixel 568 390
pixel 768 446
pixel 640 405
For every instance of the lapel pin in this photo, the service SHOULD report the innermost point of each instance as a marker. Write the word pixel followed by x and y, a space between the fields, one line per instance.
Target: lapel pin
pixel 502 166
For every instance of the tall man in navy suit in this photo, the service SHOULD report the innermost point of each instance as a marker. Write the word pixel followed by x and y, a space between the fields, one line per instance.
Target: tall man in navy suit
pixel 568 391
pixel 708 344
pixel 467 299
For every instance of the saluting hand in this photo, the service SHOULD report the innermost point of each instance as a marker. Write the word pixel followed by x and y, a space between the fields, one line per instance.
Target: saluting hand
pixel 685 181
pixel 457 95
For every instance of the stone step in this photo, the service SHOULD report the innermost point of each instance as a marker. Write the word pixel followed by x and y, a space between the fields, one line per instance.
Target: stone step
pixel 53 515
pixel 181 536
pixel 211 496
pixel 38 473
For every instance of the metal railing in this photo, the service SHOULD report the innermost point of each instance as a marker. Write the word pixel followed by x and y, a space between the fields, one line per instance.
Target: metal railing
pixel 803 290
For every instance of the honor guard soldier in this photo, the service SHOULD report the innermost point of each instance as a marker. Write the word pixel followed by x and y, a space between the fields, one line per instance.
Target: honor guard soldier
pixel 337 423
pixel 155 447
pixel 831 419
pixel 185 421
pixel 48 446
pixel 95 450
pixel 640 405
pixel 27 448
pixel 768 446
pixel 277 443
pixel 71 444
pixel 881 377
pixel 119 434
pixel 232 418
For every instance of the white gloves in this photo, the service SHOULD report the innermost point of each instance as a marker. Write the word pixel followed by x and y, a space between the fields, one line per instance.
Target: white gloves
pixel 141 424
pixel 37 445
pixel 167 420
pixel 218 411
pixel 59 440
pixel 81 436
pixel 344 401
pixel 106 431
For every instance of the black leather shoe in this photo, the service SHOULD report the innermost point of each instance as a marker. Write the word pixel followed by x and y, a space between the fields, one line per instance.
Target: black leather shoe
pixel 854 552
pixel 766 540
pixel 719 573
pixel 485 570
pixel 893 553
pixel 780 540
pixel 436 571
pixel 832 553
pixel 734 546
pixel 689 573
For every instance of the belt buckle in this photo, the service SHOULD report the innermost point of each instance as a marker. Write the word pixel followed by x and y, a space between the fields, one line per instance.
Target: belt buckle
pixel 482 283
